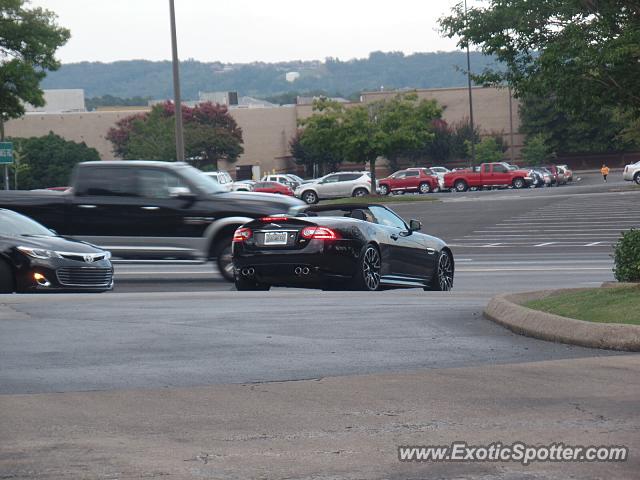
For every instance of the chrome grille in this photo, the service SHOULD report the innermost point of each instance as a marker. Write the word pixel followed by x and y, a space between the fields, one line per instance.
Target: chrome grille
pixel 84 276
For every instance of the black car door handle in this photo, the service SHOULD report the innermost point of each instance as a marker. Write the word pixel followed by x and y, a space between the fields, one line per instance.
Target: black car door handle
pixel 150 208
pixel 87 206
pixel 394 236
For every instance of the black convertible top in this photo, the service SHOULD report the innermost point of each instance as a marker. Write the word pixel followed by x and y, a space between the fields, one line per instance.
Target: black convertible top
pixel 346 207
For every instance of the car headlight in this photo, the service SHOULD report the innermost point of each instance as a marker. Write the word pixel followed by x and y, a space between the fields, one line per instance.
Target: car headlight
pixel 107 255
pixel 39 253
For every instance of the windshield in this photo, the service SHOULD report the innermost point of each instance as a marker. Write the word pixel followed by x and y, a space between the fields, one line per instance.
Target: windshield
pixel 202 182
pixel 13 224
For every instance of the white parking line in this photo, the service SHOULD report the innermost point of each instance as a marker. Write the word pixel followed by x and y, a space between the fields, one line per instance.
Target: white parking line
pixel 544 244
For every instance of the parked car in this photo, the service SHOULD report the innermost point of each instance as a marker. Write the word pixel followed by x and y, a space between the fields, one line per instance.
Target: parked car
pixel 488 175
pixel 419 180
pixel 282 178
pixel 272 187
pixel 223 178
pixel 335 185
pixel 149 210
pixel 537 178
pixel 543 175
pixel 243 186
pixel 632 172
pixel 360 247
pixel 568 173
pixel 295 178
pixel 35 259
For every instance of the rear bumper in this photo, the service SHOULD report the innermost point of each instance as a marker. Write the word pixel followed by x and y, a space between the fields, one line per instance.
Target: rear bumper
pixel 318 263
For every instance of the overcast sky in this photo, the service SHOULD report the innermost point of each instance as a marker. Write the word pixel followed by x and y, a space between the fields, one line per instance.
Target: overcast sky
pixel 248 30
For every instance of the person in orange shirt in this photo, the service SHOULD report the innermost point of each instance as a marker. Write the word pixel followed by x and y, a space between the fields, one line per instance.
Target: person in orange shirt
pixel 604 171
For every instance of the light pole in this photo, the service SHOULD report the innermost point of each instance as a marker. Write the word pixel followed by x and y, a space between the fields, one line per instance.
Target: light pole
pixel 176 85
pixel 473 140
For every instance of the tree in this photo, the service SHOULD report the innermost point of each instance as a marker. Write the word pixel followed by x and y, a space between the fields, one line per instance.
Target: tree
pixel 462 136
pixel 487 151
pixel 320 141
pixel 211 134
pixel 29 39
pixel 582 52
pixel 407 124
pixel 597 129
pixel 48 161
pixel 536 150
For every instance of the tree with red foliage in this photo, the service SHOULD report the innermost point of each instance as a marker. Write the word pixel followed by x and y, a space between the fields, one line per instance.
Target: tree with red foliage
pixel 211 134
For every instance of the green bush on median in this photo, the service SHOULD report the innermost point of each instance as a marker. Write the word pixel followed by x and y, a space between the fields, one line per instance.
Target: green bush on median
pixel 627 257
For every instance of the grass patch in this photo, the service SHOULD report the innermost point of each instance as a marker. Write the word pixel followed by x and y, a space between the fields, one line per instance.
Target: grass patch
pixel 380 199
pixel 602 305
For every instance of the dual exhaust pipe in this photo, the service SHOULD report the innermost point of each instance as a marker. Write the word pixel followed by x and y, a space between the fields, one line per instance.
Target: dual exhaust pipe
pixel 250 272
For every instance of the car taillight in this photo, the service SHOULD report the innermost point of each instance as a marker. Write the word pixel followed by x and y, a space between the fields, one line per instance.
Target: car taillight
pixel 242 235
pixel 274 219
pixel 319 233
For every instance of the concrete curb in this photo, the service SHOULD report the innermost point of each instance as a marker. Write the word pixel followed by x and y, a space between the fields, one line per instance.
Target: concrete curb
pixel 506 310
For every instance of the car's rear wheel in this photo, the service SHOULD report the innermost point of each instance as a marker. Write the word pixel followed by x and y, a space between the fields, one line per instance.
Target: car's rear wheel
pixel 367 276
pixel 310 197
pixel 518 183
pixel 360 192
pixel 461 186
pixel 424 188
pixel 384 190
pixel 7 283
pixel 443 277
pixel 224 258
pixel 246 285
pixel 636 178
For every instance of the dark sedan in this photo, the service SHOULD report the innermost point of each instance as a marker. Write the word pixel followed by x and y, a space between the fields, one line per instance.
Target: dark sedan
pixel 359 247
pixel 33 258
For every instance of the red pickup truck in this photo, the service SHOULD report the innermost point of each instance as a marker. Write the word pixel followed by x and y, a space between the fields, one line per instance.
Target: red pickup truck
pixel 487 175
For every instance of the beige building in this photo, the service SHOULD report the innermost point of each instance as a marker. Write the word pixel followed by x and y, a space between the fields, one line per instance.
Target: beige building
pixel 267 131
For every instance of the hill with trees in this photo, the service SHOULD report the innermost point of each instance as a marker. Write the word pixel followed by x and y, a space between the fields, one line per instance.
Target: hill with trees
pixel 394 70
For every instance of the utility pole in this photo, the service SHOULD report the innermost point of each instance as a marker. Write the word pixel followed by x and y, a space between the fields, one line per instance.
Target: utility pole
pixel 511 149
pixel 176 86
pixel 473 140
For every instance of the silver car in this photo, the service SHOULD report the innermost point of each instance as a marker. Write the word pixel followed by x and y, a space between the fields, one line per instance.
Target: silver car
pixel 335 185
pixel 632 172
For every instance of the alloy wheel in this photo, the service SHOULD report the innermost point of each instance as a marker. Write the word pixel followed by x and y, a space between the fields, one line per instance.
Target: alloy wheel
pixel 445 272
pixel 310 197
pixel 425 188
pixel 371 268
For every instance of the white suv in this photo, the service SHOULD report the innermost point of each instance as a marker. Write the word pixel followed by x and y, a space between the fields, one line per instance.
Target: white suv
pixel 335 185
pixel 221 177
pixel 632 172
pixel 282 178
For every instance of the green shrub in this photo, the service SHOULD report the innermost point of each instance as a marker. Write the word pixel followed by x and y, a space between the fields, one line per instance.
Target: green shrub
pixel 627 257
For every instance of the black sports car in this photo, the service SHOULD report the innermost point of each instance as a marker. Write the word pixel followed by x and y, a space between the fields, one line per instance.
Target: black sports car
pixel 361 247
pixel 33 258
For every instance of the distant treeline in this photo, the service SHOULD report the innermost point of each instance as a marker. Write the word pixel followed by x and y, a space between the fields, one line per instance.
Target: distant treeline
pixel 146 79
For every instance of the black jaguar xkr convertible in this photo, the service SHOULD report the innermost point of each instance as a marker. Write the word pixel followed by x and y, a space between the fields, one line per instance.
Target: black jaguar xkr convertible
pixel 357 247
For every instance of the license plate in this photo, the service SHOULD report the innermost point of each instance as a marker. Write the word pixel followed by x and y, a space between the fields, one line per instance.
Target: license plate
pixel 275 238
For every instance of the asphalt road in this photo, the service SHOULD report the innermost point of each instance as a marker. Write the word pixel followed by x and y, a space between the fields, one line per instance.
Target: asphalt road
pixel 171 325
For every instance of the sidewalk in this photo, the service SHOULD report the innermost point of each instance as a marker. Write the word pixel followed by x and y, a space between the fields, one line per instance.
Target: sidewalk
pixel 344 427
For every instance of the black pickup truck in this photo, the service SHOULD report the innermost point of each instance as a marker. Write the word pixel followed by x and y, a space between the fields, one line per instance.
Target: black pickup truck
pixel 149 210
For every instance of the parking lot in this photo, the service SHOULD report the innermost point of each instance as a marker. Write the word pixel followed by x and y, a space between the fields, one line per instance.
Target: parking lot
pixel 179 328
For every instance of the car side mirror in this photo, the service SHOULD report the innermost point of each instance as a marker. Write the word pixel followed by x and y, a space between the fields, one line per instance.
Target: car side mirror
pixel 181 192
pixel 415 225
